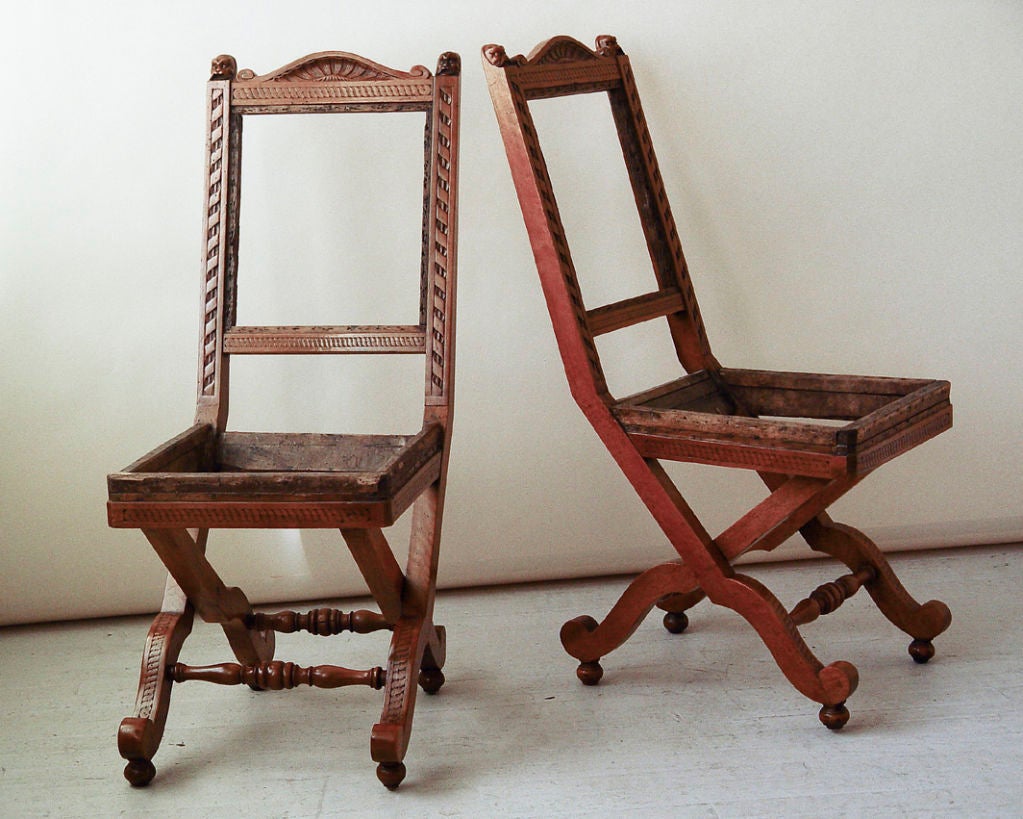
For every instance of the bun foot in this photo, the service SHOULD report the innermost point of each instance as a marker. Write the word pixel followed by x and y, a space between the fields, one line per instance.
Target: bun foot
pixel 834 716
pixel 921 650
pixel 391 774
pixel 589 673
pixel 676 621
pixel 139 772
pixel 431 679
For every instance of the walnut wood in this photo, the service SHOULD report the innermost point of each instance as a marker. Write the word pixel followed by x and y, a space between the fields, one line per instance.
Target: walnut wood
pixel 829 596
pixel 210 477
pixel 278 675
pixel 811 436
pixel 393 458
pixel 632 311
pixel 324 340
pixel 587 641
pixel 139 736
pixel 390 736
pixel 675 606
pixel 699 392
pixel 292 468
pixel 819 395
pixel 787 509
pixel 853 548
pixel 829 685
pixel 379 568
pixel 322 622
pixel 186 452
pixel 734 452
pixel 184 558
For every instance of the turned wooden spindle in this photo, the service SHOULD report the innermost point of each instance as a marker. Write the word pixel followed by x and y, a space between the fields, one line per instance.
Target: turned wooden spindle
pixel 322 622
pixel 829 596
pixel 278 675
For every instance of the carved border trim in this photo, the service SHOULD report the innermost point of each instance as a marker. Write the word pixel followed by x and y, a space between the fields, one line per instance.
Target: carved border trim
pixel 441 249
pixel 791 463
pixel 398 671
pixel 313 92
pixel 152 666
pixel 914 436
pixel 251 340
pixel 171 515
pixel 215 235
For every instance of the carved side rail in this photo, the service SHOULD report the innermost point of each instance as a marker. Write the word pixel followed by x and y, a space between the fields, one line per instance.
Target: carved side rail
pixel 278 675
pixel 829 596
pixel 322 622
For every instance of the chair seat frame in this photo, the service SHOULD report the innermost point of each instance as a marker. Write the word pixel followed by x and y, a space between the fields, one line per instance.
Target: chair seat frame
pixel 208 477
pixel 811 437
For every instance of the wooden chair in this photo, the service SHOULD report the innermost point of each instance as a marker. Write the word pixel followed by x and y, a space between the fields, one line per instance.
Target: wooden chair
pixel 712 415
pixel 208 477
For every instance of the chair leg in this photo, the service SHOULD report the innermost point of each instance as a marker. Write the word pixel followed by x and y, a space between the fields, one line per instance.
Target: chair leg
pixel 415 645
pixel 379 569
pixel 672 585
pixel 418 648
pixel 922 622
pixel 183 553
pixel 390 737
pixel 675 607
pixel 431 677
pixel 829 685
pixel 139 736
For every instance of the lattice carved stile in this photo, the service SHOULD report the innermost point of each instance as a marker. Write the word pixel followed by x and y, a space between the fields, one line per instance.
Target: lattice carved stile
pixel 710 415
pixel 211 477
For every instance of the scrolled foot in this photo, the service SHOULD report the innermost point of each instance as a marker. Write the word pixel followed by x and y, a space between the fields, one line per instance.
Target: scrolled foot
pixel 431 679
pixel 834 716
pixel 391 774
pixel 676 621
pixel 921 650
pixel 139 772
pixel 589 673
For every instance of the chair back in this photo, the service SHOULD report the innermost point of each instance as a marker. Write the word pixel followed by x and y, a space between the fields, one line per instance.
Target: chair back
pixel 560 67
pixel 338 83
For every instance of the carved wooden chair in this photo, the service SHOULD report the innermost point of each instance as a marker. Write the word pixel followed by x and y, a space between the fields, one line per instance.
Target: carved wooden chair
pixel 770 422
pixel 208 477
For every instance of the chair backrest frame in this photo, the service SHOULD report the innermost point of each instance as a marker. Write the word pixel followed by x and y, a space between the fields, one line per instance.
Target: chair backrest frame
pixel 328 82
pixel 563 66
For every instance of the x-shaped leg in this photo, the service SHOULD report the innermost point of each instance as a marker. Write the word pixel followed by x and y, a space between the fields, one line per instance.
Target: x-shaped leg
pixel 184 556
pixel 418 647
pixel 793 503
pixel 192 585
pixel 139 736
pixel 922 622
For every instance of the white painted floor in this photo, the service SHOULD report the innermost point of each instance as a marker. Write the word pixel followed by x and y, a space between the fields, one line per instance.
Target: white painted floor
pixel 701 724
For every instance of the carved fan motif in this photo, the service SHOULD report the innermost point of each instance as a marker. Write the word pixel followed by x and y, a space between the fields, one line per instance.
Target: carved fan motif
pixel 334 66
pixel 560 50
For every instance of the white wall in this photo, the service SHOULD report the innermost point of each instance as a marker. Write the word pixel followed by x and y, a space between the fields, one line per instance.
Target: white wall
pixel 847 178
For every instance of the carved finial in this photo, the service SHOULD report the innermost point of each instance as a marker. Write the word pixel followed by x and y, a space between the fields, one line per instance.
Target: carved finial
pixel 449 63
pixel 223 67
pixel 607 46
pixel 495 55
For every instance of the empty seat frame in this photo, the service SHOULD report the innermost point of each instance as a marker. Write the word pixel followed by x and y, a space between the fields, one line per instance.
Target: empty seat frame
pixel 209 477
pixel 739 418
